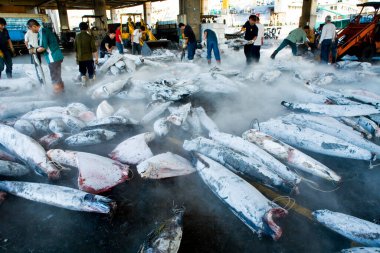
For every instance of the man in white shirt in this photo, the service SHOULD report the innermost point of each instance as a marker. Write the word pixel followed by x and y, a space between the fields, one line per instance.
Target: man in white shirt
pixel 327 41
pixel 135 38
pixel 31 41
pixel 259 40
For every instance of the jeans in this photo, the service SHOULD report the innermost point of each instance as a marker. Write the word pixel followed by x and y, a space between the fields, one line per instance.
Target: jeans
pixel 191 47
pixel 213 45
pixel 6 61
pixel 136 48
pixel 326 47
pixel 284 43
pixel 248 51
pixel 102 53
pixel 120 47
pixel 87 66
pixel 256 53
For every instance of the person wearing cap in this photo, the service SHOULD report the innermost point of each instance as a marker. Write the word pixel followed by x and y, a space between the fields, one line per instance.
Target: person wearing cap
pixel 298 35
pixel 49 47
pixel 86 52
pixel 6 49
pixel 327 41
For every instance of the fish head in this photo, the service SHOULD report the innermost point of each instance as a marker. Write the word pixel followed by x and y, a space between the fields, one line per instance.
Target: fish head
pixel 98 204
pixel 272 228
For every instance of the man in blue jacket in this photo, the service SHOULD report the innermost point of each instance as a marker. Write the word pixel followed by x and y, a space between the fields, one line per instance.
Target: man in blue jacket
pixel 49 47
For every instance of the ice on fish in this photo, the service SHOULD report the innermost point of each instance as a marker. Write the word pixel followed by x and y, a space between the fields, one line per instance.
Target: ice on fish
pixel 358 230
pixel 247 203
pixel 164 166
pixel 134 150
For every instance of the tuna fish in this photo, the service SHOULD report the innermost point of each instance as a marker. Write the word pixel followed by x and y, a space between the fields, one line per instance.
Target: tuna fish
pixel 289 155
pixel 96 173
pixel 251 150
pixel 179 114
pixel 375 117
pixel 358 230
pixel 362 96
pixel 216 83
pixel 59 196
pixel 247 166
pixel 28 150
pixel 312 140
pixel 165 165
pixel 247 203
pixel 369 125
pixel 111 120
pixel 206 122
pixel 166 238
pixel 133 150
pixel 361 250
pixel 332 127
pixel 333 110
pixel 104 110
pixel 155 112
pixel 90 137
pixel 57 126
pixel 51 140
pixel 355 125
pixel 17 108
pixel 194 123
pixel 12 169
pixel 25 127
pixel 109 89
pixel 161 127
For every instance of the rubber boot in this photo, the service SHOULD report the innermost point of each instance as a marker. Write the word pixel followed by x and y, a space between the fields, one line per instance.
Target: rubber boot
pixel 84 81
pixel 9 75
pixel 219 62
pixel 58 88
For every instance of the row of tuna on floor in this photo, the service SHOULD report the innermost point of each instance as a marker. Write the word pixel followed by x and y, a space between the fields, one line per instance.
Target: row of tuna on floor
pixel 260 155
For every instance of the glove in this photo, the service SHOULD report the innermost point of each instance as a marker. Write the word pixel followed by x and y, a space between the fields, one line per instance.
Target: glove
pixel 96 61
pixel 309 49
pixel 32 50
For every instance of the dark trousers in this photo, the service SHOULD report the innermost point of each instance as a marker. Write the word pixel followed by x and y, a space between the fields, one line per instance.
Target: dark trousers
pixel 327 47
pixel 212 45
pixel 102 53
pixel 191 47
pixel 87 66
pixel 256 53
pixel 248 51
pixel 285 43
pixel 6 61
pixel 120 47
pixel 136 48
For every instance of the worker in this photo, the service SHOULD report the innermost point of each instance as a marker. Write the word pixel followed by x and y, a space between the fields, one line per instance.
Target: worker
pixel 259 40
pixel 86 52
pixel 48 46
pixel 136 37
pixel 107 44
pixel 6 49
pixel 297 35
pixel 212 45
pixel 119 40
pixel 327 41
pixel 31 41
pixel 251 32
pixel 189 37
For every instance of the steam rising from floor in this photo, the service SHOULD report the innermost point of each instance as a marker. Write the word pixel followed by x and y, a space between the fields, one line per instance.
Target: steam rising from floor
pixel 208 225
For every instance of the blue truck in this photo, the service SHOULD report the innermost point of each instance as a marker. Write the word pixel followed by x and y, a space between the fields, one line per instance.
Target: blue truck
pixel 16 25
